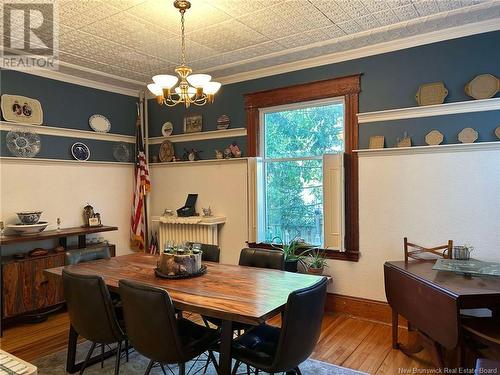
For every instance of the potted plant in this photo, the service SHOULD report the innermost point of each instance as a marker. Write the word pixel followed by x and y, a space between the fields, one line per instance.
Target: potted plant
pixel 292 250
pixel 316 261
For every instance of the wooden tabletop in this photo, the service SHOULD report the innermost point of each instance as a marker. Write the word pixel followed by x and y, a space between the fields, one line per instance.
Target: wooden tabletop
pixel 455 284
pixel 64 232
pixel 229 292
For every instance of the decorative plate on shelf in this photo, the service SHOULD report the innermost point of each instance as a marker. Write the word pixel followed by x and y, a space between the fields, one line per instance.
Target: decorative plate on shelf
pixel 80 151
pixel 468 135
pixel 223 122
pixel 121 152
pixel 497 132
pixel 99 123
pixel 434 137
pixel 166 151
pixel 23 144
pixel 431 93
pixel 167 129
pixel 483 86
pixel 21 109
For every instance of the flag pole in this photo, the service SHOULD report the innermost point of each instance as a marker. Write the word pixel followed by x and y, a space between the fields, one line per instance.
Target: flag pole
pixel 140 109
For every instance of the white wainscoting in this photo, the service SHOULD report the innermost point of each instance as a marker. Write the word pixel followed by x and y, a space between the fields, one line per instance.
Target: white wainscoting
pixel 222 186
pixel 63 189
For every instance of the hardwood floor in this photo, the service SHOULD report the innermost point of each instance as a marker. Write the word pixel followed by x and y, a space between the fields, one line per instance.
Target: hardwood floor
pixel 345 340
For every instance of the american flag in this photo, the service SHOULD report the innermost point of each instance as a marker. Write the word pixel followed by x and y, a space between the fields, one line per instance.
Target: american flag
pixel 142 187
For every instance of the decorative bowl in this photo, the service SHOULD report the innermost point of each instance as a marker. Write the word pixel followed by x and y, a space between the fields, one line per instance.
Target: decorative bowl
pixel 28 229
pixel 29 217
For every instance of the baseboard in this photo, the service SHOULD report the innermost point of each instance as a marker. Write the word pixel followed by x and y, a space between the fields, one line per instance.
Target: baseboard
pixel 361 307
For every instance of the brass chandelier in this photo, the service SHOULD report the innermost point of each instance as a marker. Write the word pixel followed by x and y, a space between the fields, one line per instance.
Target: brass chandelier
pixel 195 89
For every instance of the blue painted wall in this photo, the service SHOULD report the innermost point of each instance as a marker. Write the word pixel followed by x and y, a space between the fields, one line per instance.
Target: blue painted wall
pixel 389 81
pixel 67 105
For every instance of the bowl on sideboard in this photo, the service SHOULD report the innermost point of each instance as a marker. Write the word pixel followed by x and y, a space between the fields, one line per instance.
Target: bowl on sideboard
pixel 28 229
pixel 29 217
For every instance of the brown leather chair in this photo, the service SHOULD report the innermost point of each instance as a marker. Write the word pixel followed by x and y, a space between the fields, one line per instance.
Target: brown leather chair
pixel 274 349
pixel 92 314
pixel 262 258
pixel 87 254
pixel 154 330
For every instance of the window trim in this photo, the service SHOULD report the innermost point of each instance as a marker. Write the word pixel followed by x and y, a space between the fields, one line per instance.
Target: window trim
pixel 347 87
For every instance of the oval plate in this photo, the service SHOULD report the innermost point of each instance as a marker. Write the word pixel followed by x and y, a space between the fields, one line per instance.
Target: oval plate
pixel 167 129
pixel 80 151
pixel 202 271
pixel 166 151
pixel 99 123
pixel 434 137
pixel 468 135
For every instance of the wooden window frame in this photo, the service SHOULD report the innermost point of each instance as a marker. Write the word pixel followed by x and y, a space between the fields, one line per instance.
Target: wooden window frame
pixel 347 87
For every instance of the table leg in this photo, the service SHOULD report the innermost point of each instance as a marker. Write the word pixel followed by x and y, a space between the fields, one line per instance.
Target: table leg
pixel 225 348
pixel 71 356
pixel 394 329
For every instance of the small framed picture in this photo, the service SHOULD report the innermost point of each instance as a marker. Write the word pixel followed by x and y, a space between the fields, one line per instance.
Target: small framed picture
pixel 94 222
pixel 376 141
pixel 193 124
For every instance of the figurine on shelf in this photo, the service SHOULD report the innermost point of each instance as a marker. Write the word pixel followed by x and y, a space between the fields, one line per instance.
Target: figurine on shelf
pixel 235 150
pixel 192 155
pixel 207 211
pixel 2 227
pixel 219 154
pixel 227 153
pixel 58 224
pixel 91 218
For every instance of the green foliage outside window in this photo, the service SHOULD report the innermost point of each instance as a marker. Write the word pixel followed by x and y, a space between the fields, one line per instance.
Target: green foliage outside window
pixel 294 142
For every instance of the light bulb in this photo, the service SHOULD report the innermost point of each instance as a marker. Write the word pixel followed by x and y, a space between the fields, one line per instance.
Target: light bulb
pixel 165 81
pixel 191 91
pixel 198 80
pixel 155 89
pixel 211 88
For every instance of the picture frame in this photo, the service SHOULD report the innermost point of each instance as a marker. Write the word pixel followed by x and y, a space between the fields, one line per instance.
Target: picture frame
pixel 376 141
pixel 193 124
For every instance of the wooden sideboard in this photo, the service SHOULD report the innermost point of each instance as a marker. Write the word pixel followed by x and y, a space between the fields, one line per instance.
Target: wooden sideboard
pixel 26 292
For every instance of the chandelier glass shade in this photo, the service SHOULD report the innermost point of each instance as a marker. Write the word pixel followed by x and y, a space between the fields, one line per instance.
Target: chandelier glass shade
pixel 186 88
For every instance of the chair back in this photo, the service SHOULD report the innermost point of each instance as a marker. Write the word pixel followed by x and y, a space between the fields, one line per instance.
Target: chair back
pixel 262 258
pixel 443 251
pixel 301 326
pixel 151 323
pixel 210 253
pixel 91 311
pixel 87 255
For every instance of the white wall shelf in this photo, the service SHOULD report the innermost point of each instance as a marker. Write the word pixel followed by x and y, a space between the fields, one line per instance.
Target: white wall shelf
pixel 67 132
pixel 430 110
pixel 198 162
pixel 456 147
pixel 13 159
pixel 200 136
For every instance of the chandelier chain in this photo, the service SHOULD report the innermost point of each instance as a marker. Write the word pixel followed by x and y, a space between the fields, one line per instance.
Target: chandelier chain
pixel 183 40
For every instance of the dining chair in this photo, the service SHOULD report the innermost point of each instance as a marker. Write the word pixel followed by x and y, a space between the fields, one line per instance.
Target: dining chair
pixel 86 255
pixel 156 333
pixel 92 314
pixel 443 251
pixel 273 349
pixel 262 258
pixel 209 253
pixel 480 333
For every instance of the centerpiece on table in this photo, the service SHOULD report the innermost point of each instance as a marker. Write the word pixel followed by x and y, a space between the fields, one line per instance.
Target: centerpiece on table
pixel 180 262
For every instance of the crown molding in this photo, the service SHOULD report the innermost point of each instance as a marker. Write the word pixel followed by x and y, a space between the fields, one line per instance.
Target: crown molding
pixel 371 50
pixel 67 132
pixel 76 80
pixel 430 110
pixel 457 147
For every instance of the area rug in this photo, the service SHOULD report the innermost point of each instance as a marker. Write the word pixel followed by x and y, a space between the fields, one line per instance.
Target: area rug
pixel 55 364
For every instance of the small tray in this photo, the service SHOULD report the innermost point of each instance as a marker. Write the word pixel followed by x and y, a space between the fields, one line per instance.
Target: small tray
pixel 202 271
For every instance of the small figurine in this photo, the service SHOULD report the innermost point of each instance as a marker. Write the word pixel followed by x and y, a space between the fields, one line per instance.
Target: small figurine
pixel 1 228
pixel 58 224
pixel 207 211
pixel 194 154
pixel 219 154
pixel 227 153
pixel 235 150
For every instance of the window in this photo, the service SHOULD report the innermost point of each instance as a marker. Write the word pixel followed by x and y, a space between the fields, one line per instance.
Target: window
pixel 292 103
pixel 294 140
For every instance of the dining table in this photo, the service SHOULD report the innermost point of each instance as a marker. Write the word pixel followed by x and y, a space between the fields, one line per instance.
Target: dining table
pixel 228 292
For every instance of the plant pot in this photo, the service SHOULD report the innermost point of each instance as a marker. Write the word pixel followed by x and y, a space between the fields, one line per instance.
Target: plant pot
pixel 315 271
pixel 291 265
